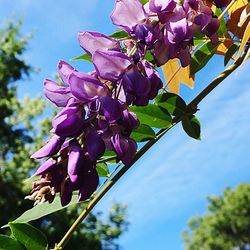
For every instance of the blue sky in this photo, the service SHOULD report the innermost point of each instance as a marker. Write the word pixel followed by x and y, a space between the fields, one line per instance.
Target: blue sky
pixel 170 184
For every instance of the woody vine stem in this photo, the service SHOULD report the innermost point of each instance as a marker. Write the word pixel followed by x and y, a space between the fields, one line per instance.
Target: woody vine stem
pixel 192 106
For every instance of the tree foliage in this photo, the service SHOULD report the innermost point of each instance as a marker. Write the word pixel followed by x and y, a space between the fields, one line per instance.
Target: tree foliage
pixel 225 226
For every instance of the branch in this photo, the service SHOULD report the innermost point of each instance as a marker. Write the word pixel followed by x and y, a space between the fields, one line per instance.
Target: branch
pixel 192 105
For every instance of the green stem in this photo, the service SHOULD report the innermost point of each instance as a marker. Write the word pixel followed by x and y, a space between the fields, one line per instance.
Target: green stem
pixel 192 105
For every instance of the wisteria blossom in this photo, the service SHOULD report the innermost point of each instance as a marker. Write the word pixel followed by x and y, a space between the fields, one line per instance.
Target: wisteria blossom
pixel 95 114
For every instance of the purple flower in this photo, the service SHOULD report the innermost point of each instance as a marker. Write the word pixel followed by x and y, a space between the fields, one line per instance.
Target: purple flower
pixel 66 192
pixel 86 87
pixel 65 70
pixel 129 121
pixel 179 37
pixel 95 145
pixel 89 183
pixel 112 108
pixel 47 166
pixel 128 13
pixel 136 86
pixel 69 121
pixel 110 65
pixel 50 148
pixel 59 95
pixel 93 41
pixel 124 147
pixel 162 8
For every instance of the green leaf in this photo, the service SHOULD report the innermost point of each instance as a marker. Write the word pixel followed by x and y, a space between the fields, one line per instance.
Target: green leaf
pixel 152 115
pixel 107 155
pixel 8 243
pixel 149 57
pixel 29 236
pixel 119 34
pixel 192 126
pixel 44 209
pixel 144 1
pixel 230 52
pixel 102 169
pixel 143 133
pixel 199 38
pixel 84 56
pixel 173 103
pixel 202 56
pixel 223 28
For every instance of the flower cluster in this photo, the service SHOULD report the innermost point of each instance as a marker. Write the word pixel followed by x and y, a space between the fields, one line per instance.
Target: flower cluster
pixel 94 114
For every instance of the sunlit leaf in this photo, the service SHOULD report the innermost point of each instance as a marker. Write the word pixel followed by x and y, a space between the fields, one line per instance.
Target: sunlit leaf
pixel 237 5
pixel 231 51
pixel 8 243
pixel 143 133
pixel 202 56
pixel 85 57
pixel 223 28
pixel 144 1
pixel 173 103
pixel 186 77
pixel 152 115
pixel 107 156
pixel 29 236
pixel 44 209
pixel 119 34
pixel 192 127
pixel 244 40
pixel 235 12
pixel 171 74
pixel 102 169
pixel 245 16
pixel 224 45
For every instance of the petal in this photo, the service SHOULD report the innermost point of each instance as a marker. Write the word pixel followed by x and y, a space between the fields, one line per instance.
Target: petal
pixel 66 193
pixel 159 6
pixel 129 120
pixel 135 83
pixel 65 70
pixel 89 184
pixel 92 41
pixel 95 145
pixel 76 160
pixel 112 108
pixel 110 65
pixel 128 13
pixel 86 87
pixel 124 147
pixel 68 122
pixel 57 94
pixel 47 166
pixel 50 148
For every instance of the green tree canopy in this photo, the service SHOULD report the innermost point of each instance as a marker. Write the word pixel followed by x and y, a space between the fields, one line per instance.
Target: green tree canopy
pixel 226 226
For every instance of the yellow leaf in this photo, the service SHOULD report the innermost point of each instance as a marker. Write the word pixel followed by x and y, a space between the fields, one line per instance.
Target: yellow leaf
pixel 225 45
pixel 244 17
pixel 244 40
pixel 174 74
pixel 171 74
pixel 238 4
pixel 186 78
pixel 237 23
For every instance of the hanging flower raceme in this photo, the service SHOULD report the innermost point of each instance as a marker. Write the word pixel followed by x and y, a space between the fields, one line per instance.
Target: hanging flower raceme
pixel 95 114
